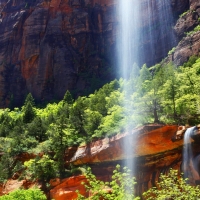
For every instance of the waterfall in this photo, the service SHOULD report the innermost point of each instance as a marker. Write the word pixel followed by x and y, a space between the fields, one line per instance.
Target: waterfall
pixel 145 33
pixel 129 34
pixel 187 151
pixel 128 42
pixel 142 23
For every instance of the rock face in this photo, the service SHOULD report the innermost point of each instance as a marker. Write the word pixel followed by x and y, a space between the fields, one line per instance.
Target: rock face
pixel 189 44
pixel 151 140
pixel 47 47
pixel 188 47
pixel 12 185
pixel 67 188
pixel 153 154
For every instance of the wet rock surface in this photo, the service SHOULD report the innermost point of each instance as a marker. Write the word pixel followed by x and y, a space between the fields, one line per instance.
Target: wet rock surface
pixel 189 44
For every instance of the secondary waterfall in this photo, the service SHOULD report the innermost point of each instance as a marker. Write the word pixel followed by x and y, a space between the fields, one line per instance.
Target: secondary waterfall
pixel 191 163
pixel 187 151
pixel 142 23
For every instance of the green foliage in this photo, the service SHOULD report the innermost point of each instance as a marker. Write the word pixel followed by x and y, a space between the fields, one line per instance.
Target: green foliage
pixel 30 194
pixel 29 99
pixel 197 28
pixel 161 93
pixel 157 94
pixel 183 14
pixel 112 123
pixel 29 112
pixel 121 186
pixel 68 98
pixel 37 129
pixel 172 187
pixel 41 168
pixel 6 165
pixel 190 62
pixel 172 51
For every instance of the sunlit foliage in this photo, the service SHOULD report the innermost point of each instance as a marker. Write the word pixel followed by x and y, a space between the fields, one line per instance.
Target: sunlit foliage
pixel 163 93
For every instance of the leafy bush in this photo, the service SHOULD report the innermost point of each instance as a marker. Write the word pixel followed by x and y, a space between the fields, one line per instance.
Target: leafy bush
pixel 172 51
pixel 172 187
pixel 183 14
pixel 30 194
pixel 41 168
pixel 121 186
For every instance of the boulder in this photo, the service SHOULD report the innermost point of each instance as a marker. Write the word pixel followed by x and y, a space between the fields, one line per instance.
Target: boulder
pixel 67 188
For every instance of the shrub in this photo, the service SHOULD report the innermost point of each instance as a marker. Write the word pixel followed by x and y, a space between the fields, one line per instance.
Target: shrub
pixel 30 194
pixel 121 186
pixel 41 168
pixel 172 51
pixel 172 187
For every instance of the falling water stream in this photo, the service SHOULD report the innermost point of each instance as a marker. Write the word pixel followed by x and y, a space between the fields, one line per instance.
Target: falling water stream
pixel 142 22
pixel 187 151
pixel 129 38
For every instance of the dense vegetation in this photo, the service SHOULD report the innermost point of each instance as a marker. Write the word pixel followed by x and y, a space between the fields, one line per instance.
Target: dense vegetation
pixel 163 93
pixel 122 186
pixel 30 194
pixel 171 186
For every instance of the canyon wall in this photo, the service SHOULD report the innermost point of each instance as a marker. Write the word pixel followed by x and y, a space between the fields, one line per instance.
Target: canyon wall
pixel 189 44
pixel 48 46
pixel 154 153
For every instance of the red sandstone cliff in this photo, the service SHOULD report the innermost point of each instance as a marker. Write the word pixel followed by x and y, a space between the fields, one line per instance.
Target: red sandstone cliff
pixel 47 47
pixel 154 153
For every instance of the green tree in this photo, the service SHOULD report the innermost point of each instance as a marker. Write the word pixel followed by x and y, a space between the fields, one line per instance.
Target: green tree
pixel 29 113
pixel 172 187
pixel 28 109
pixel 97 101
pixel 76 118
pixel 37 128
pixel 91 122
pixel 170 90
pixel 6 123
pixel 68 98
pixel 6 166
pixel 29 99
pixel 147 99
pixel 42 169
pixel 61 136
